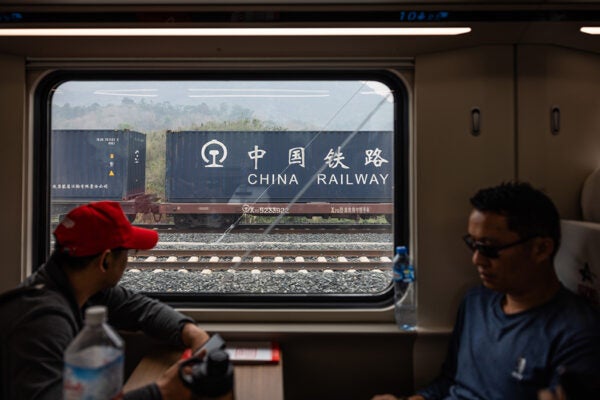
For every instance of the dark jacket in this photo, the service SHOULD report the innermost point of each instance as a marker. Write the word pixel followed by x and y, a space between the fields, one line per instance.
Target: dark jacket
pixel 39 320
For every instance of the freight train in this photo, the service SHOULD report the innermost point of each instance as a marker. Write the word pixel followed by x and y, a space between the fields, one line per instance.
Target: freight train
pixel 94 165
pixel 215 177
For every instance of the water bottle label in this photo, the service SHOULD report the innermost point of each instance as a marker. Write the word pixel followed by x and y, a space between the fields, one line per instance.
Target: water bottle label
pixel 397 273
pixel 103 380
pixel 408 274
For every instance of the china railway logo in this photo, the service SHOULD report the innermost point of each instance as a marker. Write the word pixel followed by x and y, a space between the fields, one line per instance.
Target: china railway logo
pixel 214 154
pixel 216 150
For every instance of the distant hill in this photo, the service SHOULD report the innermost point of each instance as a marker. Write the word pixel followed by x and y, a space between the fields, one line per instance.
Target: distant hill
pixel 160 106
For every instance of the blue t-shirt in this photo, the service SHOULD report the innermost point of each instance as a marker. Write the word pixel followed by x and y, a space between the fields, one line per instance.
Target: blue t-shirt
pixel 495 356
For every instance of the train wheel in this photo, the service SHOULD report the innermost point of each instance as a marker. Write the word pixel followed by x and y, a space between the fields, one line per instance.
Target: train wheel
pixel 180 220
pixel 230 219
pixel 131 217
pixel 189 220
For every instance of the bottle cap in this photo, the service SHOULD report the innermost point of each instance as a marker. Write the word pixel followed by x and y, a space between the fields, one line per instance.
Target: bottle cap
pixel 95 315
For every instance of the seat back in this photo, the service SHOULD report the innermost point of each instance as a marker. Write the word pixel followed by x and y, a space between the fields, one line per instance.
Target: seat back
pixel 590 197
pixel 577 262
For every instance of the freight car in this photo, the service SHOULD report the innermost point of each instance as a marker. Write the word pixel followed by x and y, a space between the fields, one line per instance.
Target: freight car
pixel 213 177
pixel 93 165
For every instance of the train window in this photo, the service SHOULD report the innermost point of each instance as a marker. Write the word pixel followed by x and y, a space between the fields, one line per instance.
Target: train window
pixel 284 188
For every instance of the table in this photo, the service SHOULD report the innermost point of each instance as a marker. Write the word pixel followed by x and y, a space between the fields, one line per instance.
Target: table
pixel 252 381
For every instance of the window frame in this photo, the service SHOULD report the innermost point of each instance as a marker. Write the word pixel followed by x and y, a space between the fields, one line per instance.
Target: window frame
pixel 41 176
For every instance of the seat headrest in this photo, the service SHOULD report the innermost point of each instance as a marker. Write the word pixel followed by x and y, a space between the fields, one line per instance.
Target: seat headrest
pixel 590 197
pixel 577 262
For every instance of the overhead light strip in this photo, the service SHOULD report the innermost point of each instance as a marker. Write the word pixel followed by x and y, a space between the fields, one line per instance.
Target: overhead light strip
pixel 591 30
pixel 408 31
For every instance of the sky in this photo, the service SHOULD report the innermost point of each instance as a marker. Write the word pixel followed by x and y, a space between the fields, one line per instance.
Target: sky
pixel 328 105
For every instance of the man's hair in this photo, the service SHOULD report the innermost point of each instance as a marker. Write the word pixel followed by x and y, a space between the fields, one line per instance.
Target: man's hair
pixel 528 211
pixel 73 263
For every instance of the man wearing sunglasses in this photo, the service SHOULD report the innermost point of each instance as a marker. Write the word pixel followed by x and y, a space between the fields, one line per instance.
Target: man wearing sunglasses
pixel 521 331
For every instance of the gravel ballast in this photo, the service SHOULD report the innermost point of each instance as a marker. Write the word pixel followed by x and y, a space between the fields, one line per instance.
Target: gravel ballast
pixel 268 281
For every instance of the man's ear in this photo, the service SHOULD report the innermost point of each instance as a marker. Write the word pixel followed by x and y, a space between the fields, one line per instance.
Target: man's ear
pixel 544 247
pixel 105 259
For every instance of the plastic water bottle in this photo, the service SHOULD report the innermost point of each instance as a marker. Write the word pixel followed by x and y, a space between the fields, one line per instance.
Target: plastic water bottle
pixel 94 360
pixel 405 310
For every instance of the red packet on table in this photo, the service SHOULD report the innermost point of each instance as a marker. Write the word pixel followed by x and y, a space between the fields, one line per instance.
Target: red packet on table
pixel 248 352
pixel 253 352
pixel 186 354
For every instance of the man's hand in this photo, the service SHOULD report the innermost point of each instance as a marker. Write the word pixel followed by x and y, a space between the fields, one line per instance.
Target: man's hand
pixel 171 387
pixel 193 337
pixel 547 394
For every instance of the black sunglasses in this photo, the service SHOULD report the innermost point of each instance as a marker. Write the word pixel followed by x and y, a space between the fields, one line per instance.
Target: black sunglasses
pixel 490 251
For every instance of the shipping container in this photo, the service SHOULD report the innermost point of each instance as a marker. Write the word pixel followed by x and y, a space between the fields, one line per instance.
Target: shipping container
pixel 92 165
pixel 279 166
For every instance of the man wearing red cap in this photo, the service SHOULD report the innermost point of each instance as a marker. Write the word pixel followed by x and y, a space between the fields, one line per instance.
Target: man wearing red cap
pixel 89 259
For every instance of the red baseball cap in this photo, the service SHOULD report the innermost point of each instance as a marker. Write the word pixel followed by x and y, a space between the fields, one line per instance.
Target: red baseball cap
pixel 92 228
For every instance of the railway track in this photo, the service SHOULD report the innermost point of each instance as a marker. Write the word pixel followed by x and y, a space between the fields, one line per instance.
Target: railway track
pixel 286 228
pixel 278 260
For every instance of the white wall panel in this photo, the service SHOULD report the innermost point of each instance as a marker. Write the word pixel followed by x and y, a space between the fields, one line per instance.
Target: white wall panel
pixel 569 79
pixel 451 164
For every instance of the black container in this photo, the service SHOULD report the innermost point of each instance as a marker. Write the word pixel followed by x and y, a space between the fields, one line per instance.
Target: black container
pixel 244 167
pixel 89 165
